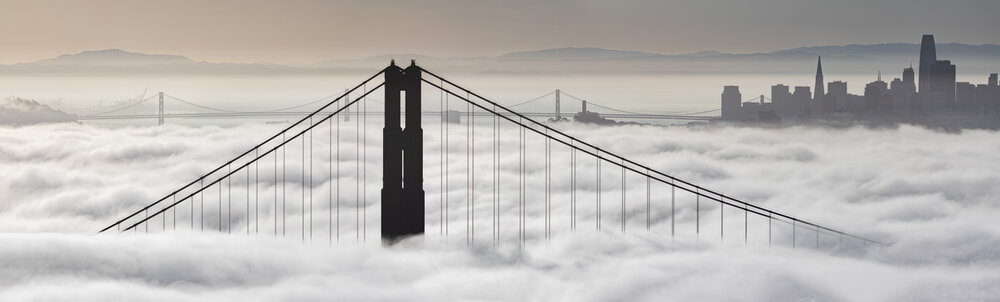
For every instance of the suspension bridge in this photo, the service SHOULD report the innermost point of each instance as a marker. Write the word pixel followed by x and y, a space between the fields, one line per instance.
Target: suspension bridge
pixel 314 180
pixel 162 106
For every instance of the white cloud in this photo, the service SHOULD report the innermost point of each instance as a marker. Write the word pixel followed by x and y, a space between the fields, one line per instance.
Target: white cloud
pixel 931 195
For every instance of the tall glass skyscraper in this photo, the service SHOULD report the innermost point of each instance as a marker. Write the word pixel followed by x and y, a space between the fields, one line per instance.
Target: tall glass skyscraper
pixel 928 55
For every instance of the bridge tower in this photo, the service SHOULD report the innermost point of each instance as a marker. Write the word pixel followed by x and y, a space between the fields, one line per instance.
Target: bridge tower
pixel 558 114
pixel 159 115
pixel 403 167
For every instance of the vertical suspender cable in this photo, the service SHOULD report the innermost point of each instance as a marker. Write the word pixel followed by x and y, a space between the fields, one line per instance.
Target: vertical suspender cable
pixel 548 184
pixel 338 172
pixel 623 196
pixel 496 179
pixel 229 216
pixel 520 185
pixel 256 191
pixel 444 121
pixel 329 206
pixel 357 178
pixel 468 171
pixel 598 190
pixel 524 186
pixel 472 167
pixel 447 154
pixel 220 206
pixel 202 213
pixel 302 186
pixel 191 202
pixel 311 186
pixel 274 186
pixel 248 200
pixel 284 176
pixel 364 164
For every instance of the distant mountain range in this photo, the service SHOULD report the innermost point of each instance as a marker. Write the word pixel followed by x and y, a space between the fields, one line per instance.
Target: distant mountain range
pixel 570 59
pixel 944 50
pixel 114 57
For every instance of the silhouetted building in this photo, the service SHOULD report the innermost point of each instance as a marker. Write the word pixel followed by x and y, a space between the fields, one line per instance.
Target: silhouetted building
pixel 877 96
pixel 750 111
pixel 928 55
pixel 908 78
pixel 837 87
pixel 903 92
pixel 992 97
pixel 819 80
pixel 781 99
pixel 965 98
pixel 988 96
pixel 801 102
pixel 836 97
pixel 943 81
pixel 731 103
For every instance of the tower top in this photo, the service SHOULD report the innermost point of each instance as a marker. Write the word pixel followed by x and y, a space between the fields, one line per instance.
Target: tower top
pixel 819 65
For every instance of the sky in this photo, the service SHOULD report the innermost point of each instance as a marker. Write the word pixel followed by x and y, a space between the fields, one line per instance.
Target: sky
pixel 306 31
pixel 930 195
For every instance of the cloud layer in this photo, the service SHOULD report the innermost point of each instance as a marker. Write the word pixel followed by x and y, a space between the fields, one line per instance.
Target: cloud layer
pixel 930 195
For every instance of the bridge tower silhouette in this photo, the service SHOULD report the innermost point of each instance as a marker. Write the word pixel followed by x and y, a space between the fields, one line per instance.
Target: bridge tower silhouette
pixel 403 168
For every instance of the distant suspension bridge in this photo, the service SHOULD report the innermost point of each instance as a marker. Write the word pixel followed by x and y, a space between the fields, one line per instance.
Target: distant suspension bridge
pixel 162 106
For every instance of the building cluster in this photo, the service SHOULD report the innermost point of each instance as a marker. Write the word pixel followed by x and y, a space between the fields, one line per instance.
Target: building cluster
pixel 935 95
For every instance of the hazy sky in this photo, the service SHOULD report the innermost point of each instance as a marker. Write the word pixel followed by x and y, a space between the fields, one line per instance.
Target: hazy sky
pixel 315 30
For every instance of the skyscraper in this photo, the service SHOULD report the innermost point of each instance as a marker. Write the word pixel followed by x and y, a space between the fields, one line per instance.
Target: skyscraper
pixel 908 78
pixel 928 55
pixel 876 96
pixel 731 103
pixel 838 87
pixel 819 80
pixel 943 81
pixel 836 100
pixel 781 99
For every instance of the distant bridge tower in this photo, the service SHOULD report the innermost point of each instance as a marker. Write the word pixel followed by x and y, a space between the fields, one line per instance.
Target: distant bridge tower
pixel 403 167
pixel 159 115
pixel 558 114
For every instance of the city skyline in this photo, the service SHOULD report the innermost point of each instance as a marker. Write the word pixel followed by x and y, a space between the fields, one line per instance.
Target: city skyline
pixel 935 93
